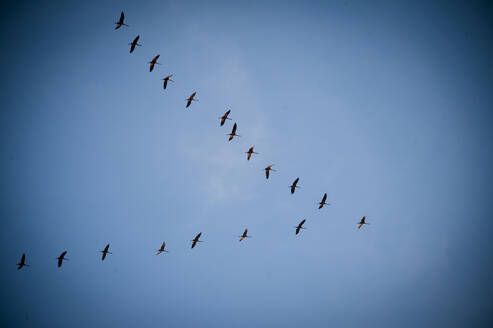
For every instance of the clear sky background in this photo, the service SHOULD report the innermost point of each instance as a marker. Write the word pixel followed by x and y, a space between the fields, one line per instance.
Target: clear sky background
pixel 384 105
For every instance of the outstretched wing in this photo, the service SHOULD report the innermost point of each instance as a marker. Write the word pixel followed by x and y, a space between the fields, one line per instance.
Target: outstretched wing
pixel 165 83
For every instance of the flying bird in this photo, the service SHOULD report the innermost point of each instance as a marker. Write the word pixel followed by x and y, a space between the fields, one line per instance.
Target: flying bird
pixel 196 240
pixel 61 258
pixel 22 263
pixel 134 43
pixel 363 221
pixel 105 251
pixel 300 226
pixel 166 79
pixel 294 185
pixel 250 152
pixel 322 203
pixel 120 22
pixel 162 250
pixel 225 117
pixel 268 169
pixel 153 62
pixel 190 99
pixel 233 133
pixel 244 235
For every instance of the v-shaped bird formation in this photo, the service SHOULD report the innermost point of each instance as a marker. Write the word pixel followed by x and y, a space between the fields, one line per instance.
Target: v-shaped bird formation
pixel 223 119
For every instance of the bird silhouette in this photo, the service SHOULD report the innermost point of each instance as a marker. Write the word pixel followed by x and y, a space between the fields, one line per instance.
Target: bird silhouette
pixel 322 203
pixel 233 133
pixel 120 21
pixel 190 99
pixel 294 185
pixel 268 169
pixel 250 152
pixel 363 221
pixel 22 263
pixel 61 258
pixel 166 79
pixel 134 43
pixel 153 62
pixel 196 240
pixel 244 235
pixel 105 251
pixel 300 226
pixel 225 117
pixel 162 250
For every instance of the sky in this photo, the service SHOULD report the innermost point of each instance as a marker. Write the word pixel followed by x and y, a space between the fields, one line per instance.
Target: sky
pixel 386 106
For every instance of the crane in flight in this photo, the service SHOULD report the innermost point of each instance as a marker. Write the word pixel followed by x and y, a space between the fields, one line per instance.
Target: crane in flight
pixel 294 185
pixel 61 258
pixel 322 203
pixel 233 133
pixel 225 117
pixel 166 79
pixel 363 221
pixel 196 240
pixel 244 235
pixel 105 251
pixel 268 169
pixel 300 226
pixel 250 152
pixel 153 62
pixel 134 43
pixel 22 263
pixel 190 99
pixel 120 21
pixel 162 250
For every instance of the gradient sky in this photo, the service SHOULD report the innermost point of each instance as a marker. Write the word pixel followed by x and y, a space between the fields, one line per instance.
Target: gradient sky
pixel 384 105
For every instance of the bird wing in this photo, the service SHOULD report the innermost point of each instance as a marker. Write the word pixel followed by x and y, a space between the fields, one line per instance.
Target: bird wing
pixel 189 101
pixel 324 198
pixel 132 47
pixel 122 17
pixel 233 132
pixel 165 83
pixel 163 245
pixel 194 242
pixel 302 222
pixel 267 173
pixel 249 154
pixel 23 258
pixel 104 256
pixel 151 67
pixel 155 58
pixel 136 39
pixel 296 182
pixel 63 254
pixel 60 261
pixel 223 119
pixel 107 247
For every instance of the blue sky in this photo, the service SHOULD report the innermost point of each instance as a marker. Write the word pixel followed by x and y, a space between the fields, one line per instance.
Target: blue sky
pixel 385 106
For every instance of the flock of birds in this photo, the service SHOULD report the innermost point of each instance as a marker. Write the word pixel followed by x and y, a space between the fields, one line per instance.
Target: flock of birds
pixel 223 119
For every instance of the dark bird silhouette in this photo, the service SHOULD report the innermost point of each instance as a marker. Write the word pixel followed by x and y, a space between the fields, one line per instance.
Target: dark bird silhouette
pixel 225 117
pixel 134 43
pixel 166 79
pixel 61 258
pixel 363 221
pixel 268 169
pixel 322 203
pixel 196 240
pixel 250 152
pixel 162 250
pixel 300 226
pixel 244 235
pixel 190 99
pixel 233 133
pixel 22 263
pixel 153 62
pixel 294 185
pixel 105 251
pixel 120 22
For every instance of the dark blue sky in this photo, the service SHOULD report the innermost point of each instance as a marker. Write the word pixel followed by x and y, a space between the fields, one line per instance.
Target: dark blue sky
pixel 384 105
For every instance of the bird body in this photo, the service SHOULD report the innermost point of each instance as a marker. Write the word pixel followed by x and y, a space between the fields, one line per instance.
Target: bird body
pixel 153 62
pixel 134 43
pixel 22 263
pixel 294 185
pixel 120 21
pixel 190 99
pixel 196 240
pixel 166 79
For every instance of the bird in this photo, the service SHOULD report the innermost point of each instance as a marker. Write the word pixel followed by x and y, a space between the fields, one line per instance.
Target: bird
pixel 22 263
pixel 244 235
pixel 105 251
pixel 190 99
pixel 166 79
pixel 300 226
pixel 134 43
pixel 363 221
pixel 225 117
pixel 250 152
pixel 294 185
pixel 153 62
pixel 196 240
pixel 233 133
pixel 322 203
pixel 120 22
pixel 268 169
pixel 162 250
pixel 61 258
